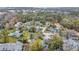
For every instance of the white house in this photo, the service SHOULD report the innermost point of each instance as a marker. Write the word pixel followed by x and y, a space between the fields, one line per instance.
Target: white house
pixel 72 34
pixel 18 25
pixel 11 46
pixel 16 34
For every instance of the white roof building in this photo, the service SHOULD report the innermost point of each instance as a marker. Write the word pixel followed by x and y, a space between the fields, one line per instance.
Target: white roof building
pixel 11 46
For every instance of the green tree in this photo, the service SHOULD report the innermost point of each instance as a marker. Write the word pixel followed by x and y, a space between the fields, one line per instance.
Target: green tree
pixel 4 35
pixel 66 23
pixel 55 43
pixel 36 45
pixel 76 24
pixel 26 36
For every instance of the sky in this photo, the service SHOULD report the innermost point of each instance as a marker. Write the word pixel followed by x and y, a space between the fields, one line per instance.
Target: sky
pixel 39 3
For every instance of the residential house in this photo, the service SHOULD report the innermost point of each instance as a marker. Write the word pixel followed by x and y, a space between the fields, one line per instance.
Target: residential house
pixel 72 34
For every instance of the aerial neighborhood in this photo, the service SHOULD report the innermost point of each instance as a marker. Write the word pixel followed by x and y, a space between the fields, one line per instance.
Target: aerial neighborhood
pixel 39 29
